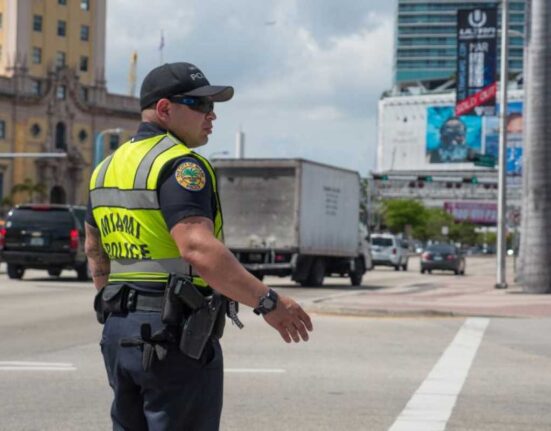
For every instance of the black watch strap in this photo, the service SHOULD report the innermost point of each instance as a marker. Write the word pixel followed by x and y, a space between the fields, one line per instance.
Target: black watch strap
pixel 267 303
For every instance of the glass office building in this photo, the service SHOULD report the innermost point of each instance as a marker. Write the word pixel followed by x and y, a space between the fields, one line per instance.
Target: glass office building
pixel 426 39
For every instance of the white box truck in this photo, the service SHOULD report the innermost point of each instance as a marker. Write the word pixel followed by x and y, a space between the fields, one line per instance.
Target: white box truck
pixel 293 217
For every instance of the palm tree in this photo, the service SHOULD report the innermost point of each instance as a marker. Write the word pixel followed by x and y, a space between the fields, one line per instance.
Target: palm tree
pixel 535 258
pixel 30 188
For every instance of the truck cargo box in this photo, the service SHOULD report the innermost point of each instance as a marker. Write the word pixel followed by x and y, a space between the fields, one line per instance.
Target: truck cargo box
pixel 289 204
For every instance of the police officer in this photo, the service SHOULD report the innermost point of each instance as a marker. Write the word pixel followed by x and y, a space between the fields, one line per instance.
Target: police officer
pixel 154 215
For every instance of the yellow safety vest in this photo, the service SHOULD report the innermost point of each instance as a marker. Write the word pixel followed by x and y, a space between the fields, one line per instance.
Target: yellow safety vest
pixel 125 205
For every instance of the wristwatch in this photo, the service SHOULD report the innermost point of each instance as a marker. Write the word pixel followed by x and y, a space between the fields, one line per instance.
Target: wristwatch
pixel 267 303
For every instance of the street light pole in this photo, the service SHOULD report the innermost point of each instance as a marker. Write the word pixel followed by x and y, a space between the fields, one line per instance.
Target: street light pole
pixel 501 282
pixel 98 144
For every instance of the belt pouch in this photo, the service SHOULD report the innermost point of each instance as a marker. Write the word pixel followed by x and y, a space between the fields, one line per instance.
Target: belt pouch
pixel 114 298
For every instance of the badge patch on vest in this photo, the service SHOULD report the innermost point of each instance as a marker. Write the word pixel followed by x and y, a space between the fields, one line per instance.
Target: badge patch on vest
pixel 191 176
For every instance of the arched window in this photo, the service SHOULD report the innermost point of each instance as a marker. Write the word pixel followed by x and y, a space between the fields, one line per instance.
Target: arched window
pixel 60 137
pixel 58 195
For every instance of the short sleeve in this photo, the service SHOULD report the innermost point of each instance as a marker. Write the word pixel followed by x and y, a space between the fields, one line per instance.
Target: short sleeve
pixel 185 190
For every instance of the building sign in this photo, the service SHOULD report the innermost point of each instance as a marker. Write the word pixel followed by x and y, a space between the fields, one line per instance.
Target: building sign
pixel 451 139
pixel 474 212
pixel 476 61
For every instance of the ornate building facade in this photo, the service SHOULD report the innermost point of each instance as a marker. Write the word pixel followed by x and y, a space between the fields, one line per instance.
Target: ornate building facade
pixel 53 97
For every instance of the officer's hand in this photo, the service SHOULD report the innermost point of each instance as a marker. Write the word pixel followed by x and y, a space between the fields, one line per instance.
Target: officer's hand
pixel 290 320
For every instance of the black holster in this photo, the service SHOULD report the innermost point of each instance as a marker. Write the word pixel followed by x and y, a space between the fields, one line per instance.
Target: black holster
pixel 199 317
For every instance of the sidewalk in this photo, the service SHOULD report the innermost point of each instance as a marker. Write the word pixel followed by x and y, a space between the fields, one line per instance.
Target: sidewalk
pixel 457 297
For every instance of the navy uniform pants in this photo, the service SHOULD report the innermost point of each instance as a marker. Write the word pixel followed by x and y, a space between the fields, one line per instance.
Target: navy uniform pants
pixel 178 393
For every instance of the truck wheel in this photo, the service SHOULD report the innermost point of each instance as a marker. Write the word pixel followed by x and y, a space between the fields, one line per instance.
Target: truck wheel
pixel 317 273
pixel 357 275
pixel 15 271
pixel 54 272
pixel 83 272
pixel 405 266
pixel 396 267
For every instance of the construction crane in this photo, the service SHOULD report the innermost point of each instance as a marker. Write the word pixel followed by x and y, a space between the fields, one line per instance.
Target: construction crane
pixel 132 74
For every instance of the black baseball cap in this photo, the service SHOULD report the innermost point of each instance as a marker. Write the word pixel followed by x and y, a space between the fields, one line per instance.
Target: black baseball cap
pixel 180 79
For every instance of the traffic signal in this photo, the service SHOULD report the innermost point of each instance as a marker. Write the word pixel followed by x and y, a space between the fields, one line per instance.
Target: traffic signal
pixel 425 178
pixel 380 177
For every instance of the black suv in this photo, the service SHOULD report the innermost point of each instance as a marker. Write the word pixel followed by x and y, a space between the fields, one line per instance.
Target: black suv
pixel 44 236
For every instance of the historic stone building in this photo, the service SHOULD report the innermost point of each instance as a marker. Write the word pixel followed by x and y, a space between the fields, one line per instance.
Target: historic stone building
pixel 53 97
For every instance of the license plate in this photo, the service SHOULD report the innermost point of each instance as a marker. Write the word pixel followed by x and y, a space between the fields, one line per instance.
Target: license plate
pixel 437 257
pixel 255 257
pixel 37 241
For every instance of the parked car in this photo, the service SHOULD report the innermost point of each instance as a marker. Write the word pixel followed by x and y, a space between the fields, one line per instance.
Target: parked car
pixel 49 237
pixel 389 250
pixel 444 257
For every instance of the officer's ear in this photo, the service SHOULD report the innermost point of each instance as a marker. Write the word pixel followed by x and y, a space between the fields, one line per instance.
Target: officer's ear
pixel 163 109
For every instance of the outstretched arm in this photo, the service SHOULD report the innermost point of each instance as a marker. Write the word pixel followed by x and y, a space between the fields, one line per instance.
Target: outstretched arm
pixel 221 270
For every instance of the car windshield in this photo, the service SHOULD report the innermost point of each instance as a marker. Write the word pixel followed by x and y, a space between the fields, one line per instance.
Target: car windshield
pixel 385 242
pixel 441 248
pixel 48 217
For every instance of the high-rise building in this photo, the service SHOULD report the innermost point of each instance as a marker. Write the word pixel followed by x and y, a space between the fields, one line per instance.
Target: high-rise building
pixel 53 97
pixel 42 36
pixel 425 39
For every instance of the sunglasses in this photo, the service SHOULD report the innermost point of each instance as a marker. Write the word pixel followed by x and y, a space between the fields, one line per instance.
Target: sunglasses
pixel 200 104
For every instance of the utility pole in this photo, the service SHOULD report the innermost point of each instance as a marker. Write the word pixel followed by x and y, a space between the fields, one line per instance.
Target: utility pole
pixel 501 282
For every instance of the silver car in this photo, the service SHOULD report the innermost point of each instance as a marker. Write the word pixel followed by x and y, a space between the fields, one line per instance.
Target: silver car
pixel 389 250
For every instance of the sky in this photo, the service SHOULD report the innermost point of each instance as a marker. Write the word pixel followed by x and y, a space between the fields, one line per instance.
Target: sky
pixel 307 73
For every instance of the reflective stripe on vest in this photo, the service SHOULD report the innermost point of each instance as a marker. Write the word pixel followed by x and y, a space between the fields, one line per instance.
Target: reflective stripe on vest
pixel 123 193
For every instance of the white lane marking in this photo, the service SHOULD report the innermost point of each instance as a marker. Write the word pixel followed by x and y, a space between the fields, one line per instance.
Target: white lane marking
pixel 255 370
pixel 430 408
pixel 35 366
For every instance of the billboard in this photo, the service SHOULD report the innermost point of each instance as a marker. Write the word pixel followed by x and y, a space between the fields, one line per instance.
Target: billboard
pixel 451 139
pixel 514 137
pixel 476 61
pixel 474 212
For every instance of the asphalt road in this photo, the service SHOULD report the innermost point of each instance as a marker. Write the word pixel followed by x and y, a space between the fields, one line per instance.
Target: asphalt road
pixel 355 374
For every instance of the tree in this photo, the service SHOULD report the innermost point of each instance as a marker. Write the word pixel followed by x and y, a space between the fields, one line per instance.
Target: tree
pixel 431 228
pixel 464 232
pixel 30 188
pixel 535 249
pixel 399 213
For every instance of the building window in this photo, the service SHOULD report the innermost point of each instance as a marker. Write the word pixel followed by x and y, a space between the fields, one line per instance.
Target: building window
pixel 1 16
pixel 37 55
pixel 83 63
pixel 36 87
pixel 1 185
pixel 2 129
pixel 113 141
pixel 37 22
pixel 84 93
pixel 0 52
pixel 62 2
pixel 84 32
pixel 35 130
pixel 85 4
pixel 61 92
pixel 60 133
pixel 60 59
pixel 82 135
pixel 61 28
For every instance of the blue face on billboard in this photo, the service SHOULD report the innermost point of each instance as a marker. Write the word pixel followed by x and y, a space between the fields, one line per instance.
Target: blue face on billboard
pixel 451 139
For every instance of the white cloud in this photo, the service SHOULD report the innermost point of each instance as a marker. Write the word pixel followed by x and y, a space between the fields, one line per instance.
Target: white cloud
pixel 307 83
